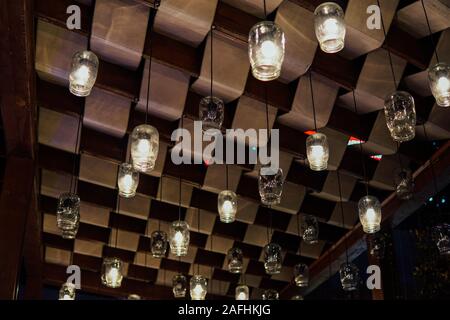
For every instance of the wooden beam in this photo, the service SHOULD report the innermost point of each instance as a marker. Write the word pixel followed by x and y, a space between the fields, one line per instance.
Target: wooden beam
pixel 15 202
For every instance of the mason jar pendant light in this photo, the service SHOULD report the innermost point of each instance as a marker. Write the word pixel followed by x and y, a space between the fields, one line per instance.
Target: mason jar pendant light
pixel 68 206
pixel 370 214
pixel 68 215
pixel 349 276
pixel 112 272
pixel 272 258
pixel 227 202
pixel 438 74
pixel 270 294
pixel 235 260
pixel 270 185
pixel 179 286
pixel 400 112
pixel 179 236
pixel 369 207
pixel 83 73
pixel 242 292
pixel 212 110
pixel 144 137
pixel 134 297
pixel 159 242
pixel 198 285
pixel 329 27
pixel 439 81
pixel 310 229
pixel 266 46
pixel 67 291
pixel 301 275
pixel 348 272
pixel 317 150
pixel 127 180
pixel 441 236
pixel 404 184
pixel 399 107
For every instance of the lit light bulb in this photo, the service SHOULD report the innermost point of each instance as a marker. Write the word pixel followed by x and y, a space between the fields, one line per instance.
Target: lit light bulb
pixel 227 207
pixel 113 275
pixel 197 292
pixel 126 183
pixel 241 296
pixel 178 238
pixel 81 75
pixel 268 49
pixel 331 26
pixel 371 215
pixel 443 84
pixel 143 147
pixel 317 153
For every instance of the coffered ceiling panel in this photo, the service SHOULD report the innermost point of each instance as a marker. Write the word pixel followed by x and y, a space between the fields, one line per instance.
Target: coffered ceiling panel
pixel 412 17
pixel 255 7
pixel 58 130
pixel 230 66
pixel 118 31
pixel 301 116
pixel 301 44
pixel 188 21
pixel 168 90
pixel 359 39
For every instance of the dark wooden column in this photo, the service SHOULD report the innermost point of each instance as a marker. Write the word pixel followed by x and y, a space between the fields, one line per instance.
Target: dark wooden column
pixel 20 241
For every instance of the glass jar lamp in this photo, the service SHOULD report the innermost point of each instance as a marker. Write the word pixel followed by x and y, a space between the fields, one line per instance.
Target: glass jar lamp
pixel 317 151
pixel 329 27
pixel 159 244
pixel 83 73
pixel 127 180
pixel 404 184
pixel 235 260
pixel 266 46
pixel 349 276
pixel 212 113
pixel 309 229
pixel 242 292
pixel 400 112
pixel 227 206
pixel 199 286
pixel 441 235
pixel 179 286
pixel 67 291
pixel 270 294
pixel 112 272
pixel 68 215
pixel 179 238
pixel 301 275
pixel 272 258
pixel 270 185
pixel 144 147
pixel 439 81
pixel 370 214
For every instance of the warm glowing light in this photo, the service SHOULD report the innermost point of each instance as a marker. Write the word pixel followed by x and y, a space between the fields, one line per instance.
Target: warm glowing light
pixel 197 292
pixel 443 84
pixel 112 272
pixel 370 214
pixel 227 206
pixel 178 238
pixel 83 73
pixel 241 296
pixel 269 49
pixel 329 27
pixel 317 151
pixel 127 181
pixel 144 147
pixel 198 287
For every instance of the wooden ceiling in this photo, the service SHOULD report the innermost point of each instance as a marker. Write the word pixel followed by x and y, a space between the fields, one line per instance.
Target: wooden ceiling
pixel 120 35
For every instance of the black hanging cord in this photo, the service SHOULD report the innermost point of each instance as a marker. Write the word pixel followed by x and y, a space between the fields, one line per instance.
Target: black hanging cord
pixel 212 73
pixel 363 163
pixel 312 100
pixel 160 198
pixel 342 214
pixel 430 32
pixel 179 200
pixel 90 29
pixel 389 51
pixel 299 234
pixel 198 230
pixel 149 67
pixel 117 228
pixel 73 179
pixel 265 10
pixel 226 176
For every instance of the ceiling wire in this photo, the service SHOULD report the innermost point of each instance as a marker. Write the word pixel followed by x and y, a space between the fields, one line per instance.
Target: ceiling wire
pixel 342 214
pixel 312 100
pixel 430 32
